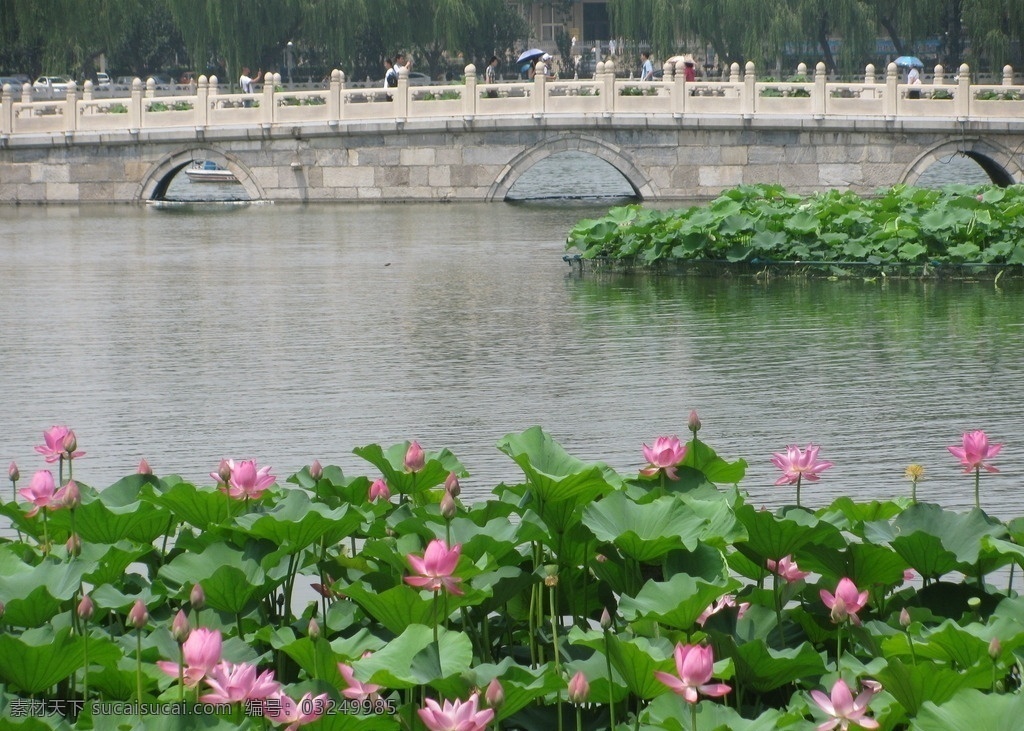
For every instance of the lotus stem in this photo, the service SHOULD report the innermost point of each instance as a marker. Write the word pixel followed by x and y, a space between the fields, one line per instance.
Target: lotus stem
pixel 977 487
pixel 138 665
pixel 181 673
pixel 559 707
pixel 798 479
pixel 839 646
pixel 85 673
pixel 46 534
pixel 579 715
pixel 554 635
pixel 435 616
pixel 693 716
pixel 611 686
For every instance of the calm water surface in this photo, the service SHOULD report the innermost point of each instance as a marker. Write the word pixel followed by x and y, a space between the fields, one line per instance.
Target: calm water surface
pixel 287 333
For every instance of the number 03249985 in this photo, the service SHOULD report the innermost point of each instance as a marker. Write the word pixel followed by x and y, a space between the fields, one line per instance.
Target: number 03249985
pixel 348 706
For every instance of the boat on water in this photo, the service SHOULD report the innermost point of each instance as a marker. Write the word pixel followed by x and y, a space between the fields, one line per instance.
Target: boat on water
pixel 207 171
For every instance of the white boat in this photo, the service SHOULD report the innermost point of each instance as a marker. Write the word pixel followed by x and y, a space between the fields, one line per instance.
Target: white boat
pixel 207 171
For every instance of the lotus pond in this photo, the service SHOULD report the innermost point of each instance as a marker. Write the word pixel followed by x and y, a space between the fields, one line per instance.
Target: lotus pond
pixel 958 230
pixel 576 598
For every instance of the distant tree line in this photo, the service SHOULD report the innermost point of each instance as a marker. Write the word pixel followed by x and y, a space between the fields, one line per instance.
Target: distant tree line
pixel 987 34
pixel 138 37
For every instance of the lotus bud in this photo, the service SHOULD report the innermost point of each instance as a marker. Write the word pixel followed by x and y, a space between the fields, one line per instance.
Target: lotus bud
pixel 86 608
pixel 451 484
pixel 379 491
pixel 224 471
pixel 693 423
pixel 180 627
pixel 12 473
pixel 994 648
pixel 197 598
pixel 70 443
pixel 904 617
pixel 316 470
pixel 72 495
pixel 448 506
pixel 74 545
pixel 138 616
pixel 313 630
pixel 495 694
pixel 606 619
pixel 579 688
pixel 144 468
pixel 550 575
pixel 415 460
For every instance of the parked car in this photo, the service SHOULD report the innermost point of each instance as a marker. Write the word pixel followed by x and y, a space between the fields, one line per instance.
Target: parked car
pixel 51 87
pixel 16 82
pixel 416 79
pixel 102 81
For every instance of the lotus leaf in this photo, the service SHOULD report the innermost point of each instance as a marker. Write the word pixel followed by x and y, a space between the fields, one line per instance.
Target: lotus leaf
pixel 231 579
pixel 414 658
pixel 553 473
pixel 42 657
pixel 760 667
pixel 775 537
pixel 971 709
pixel 391 464
pixel 677 602
pixel 34 594
pixel 295 522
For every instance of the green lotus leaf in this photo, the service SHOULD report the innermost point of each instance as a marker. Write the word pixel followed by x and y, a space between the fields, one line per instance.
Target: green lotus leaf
pixel 521 685
pixel 295 522
pixel 315 657
pixel 553 473
pixel 391 464
pixel 647 532
pixel 396 608
pixel 704 459
pixel 231 579
pixel 40 658
pixel 704 562
pixel 110 562
pixel 765 669
pixel 126 509
pixel 677 602
pixel 912 685
pixel 636 659
pixel 667 711
pixel 414 658
pixel 846 514
pixel 953 644
pixel 771 536
pixel 863 563
pixel 971 709
pixel 199 508
pixel 34 594
pixel 355 722
pixel 333 485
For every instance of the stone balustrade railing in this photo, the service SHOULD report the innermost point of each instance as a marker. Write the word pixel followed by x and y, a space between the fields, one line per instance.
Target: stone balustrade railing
pixel 742 96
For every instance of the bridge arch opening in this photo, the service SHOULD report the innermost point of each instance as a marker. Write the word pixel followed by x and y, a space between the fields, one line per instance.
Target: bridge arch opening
pixel 969 161
pixel 572 166
pixel 168 181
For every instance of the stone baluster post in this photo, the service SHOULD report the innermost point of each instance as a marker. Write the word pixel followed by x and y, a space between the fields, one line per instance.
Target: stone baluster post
pixel 87 91
pixel 1007 75
pixel 26 93
pixel 539 94
pixel 7 110
pixel 135 106
pixel 609 86
pixel 470 94
pixel 599 81
pixel 150 88
pixel 71 108
pixel 801 70
pixel 202 110
pixel 734 73
pixel 962 101
pixel 668 71
pixel 402 94
pixel 268 103
pixel 939 76
pixel 819 92
pixel 679 93
pixel 890 102
pixel 748 102
pixel 334 96
pixel 869 80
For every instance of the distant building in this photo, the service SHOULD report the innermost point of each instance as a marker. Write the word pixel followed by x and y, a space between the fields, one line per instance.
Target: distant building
pixel 586 20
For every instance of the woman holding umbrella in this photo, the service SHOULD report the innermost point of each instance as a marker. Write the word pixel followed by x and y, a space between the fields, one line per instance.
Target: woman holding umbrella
pixel 912 63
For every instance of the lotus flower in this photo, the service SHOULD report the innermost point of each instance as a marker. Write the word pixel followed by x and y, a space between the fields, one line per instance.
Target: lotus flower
pixel 239 683
pixel 495 694
pixel 137 615
pixel 356 690
pixel 54 448
pixel 415 460
pixel 666 454
pixel 844 709
pixel 694 665
pixel 786 569
pixel 42 493
pixel 379 491
pixel 846 602
pixel 246 480
pixel 579 688
pixel 796 464
pixel 436 568
pixel 12 472
pixel 86 608
pixel 726 601
pixel 201 652
pixel 281 709
pixel 455 716
pixel 974 451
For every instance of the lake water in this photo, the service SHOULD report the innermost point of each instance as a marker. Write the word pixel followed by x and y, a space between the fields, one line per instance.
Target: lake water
pixel 289 333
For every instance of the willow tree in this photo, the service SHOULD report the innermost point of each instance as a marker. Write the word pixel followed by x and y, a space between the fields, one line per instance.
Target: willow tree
pixel 996 32
pixel 850 20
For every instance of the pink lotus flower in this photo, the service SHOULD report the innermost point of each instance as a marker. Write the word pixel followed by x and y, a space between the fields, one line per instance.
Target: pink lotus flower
pixel 86 608
pixel 666 454
pixel 246 480
pixel 579 688
pixel 796 464
pixel 12 472
pixel 201 652
pixel 694 666
pixel 239 683
pixel 137 615
pixel 436 568
pixel 356 690
pixel 846 602
pixel 726 601
pixel 144 468
pixel 495 694
pixel 415 460
pixel 844 709
pixel 379 491
pixel 787 569
pixel 42 493
pixel 53 450
pixel 456 716
pixel 281 709
pixel 975 450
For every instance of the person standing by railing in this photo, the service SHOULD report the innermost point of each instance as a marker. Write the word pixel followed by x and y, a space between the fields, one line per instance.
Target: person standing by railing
pixel 245 83
pixel 646 68
pixel 490 76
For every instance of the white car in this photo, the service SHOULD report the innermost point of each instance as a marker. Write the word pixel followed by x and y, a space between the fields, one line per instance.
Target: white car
pixel 51 87
pixel 102 81
pixel 416 79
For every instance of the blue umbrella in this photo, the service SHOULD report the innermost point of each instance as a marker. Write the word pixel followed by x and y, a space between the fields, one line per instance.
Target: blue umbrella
pixel 907 61
pixel 527 56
